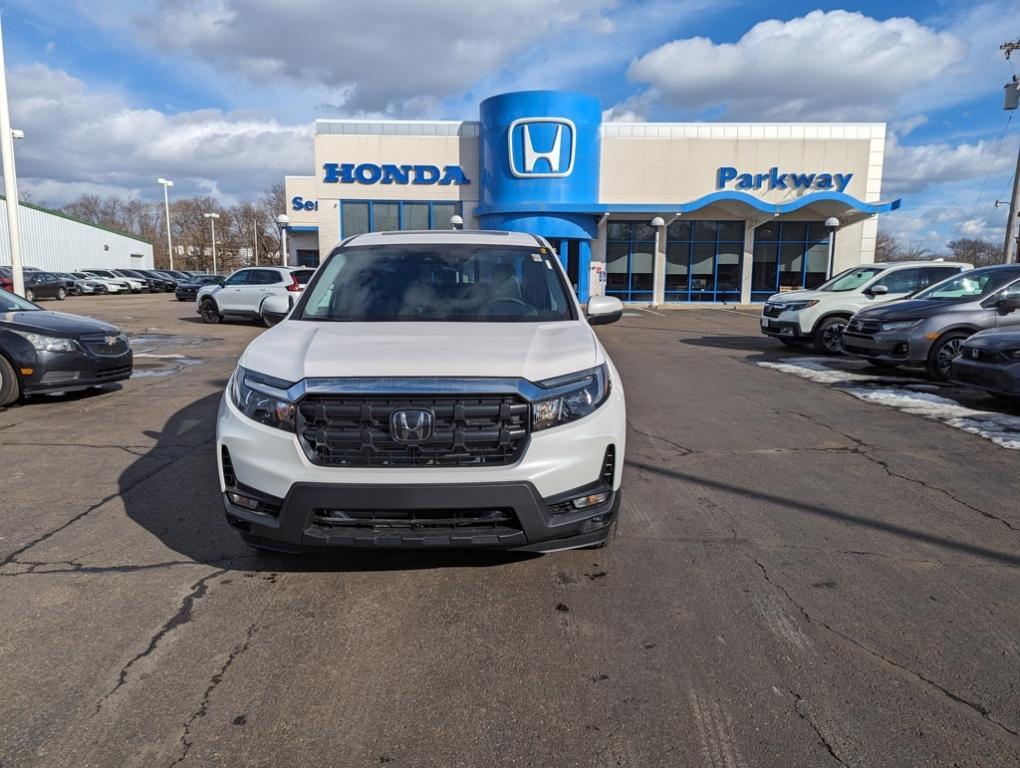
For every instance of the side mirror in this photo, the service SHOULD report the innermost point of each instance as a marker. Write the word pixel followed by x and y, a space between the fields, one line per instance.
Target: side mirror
pixel 878 290
pixel 603 310
pixel 275 308
pixel 1008 305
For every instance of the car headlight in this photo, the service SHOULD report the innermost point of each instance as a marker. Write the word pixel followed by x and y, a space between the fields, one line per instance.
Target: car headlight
pixel 48 343
pixel 257 398
pixel 586 391
pixel 899 325
pixel 1013 354
pixel 797 306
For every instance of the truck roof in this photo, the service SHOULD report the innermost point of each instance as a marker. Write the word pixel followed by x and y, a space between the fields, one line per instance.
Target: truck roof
pixel 446 236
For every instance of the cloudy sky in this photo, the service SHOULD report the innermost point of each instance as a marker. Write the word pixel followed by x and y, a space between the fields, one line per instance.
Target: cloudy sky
pixel 220 95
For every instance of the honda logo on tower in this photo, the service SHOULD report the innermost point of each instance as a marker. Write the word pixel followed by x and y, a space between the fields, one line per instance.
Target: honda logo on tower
pixel 542 147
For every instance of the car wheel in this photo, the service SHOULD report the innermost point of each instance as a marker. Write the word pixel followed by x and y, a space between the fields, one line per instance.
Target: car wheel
pixel 10 389
pixel 942 354
pixel 828 336
pixel 209 312
pixel 30 295
pixel 61 294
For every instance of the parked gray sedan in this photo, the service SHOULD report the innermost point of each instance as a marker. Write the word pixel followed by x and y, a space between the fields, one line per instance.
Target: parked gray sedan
pixel 929 328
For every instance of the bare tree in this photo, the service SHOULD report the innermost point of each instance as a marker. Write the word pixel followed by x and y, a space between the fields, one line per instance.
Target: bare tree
pixel 887 247
pixel 980 253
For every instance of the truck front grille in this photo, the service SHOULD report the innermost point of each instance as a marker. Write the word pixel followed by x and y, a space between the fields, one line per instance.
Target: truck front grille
pixel 354 430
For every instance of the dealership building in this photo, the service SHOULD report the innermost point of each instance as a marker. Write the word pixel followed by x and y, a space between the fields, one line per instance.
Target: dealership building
pixel 653 213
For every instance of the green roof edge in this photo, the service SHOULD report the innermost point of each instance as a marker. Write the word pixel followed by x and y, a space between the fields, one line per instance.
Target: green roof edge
pixel 63 215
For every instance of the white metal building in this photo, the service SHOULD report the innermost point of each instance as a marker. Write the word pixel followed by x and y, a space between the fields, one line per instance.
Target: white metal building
pixel 53 241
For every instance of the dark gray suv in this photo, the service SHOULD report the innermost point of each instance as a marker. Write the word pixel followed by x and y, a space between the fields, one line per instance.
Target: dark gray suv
pixel 929 328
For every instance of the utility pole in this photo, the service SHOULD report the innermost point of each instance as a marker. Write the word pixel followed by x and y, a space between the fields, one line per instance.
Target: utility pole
pixel 166 202
pixel 10 180
pixel 1012 98
pixel 255 238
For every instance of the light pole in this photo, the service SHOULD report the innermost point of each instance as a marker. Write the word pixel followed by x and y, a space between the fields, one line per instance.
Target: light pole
pixel 255 238
pixel 10 179
pixel 831 224
pixel 166 202
pixel 282 221
pixel 212 224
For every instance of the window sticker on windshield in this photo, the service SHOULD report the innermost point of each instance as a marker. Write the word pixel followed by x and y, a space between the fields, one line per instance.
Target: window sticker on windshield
pixel 536 257
pixel 548 265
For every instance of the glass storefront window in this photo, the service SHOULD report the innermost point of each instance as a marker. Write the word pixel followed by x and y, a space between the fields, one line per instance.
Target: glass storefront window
pixel 630 260
pixel 358 217
pixel 703 260
pixel 354 219
pixel 788 255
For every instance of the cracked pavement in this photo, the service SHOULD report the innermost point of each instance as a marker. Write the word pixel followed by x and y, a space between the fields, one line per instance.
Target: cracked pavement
pixel 799 578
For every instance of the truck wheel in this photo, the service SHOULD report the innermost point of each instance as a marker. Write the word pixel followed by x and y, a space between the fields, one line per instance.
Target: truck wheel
pixel 828 336
pixel 943 352
pixel 10 389
pixel 209 312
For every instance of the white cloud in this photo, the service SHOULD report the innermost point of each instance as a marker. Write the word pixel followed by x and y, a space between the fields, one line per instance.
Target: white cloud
pixel 79 139
pixel 912 169
pixel 392 56
pixel 834 65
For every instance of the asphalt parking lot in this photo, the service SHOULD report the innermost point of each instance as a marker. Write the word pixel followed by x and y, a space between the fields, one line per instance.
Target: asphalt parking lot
pixel 801 577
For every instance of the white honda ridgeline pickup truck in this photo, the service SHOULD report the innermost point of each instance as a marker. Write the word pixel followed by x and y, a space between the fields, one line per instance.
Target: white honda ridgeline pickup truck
pixel 429 389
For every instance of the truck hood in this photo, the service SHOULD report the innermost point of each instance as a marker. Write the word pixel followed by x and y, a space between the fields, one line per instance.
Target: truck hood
pixel 803 295
pixel 298 349
pixel 905 309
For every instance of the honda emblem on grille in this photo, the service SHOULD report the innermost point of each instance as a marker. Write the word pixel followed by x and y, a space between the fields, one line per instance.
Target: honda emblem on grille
pixel 411 425
pixel 975 353
pixel 110 340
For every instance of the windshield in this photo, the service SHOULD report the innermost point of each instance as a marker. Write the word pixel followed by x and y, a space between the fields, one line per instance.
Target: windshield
pixel 974 284
pixel 303 275
pixel 441 283
pixel 11 303
pixel 850 280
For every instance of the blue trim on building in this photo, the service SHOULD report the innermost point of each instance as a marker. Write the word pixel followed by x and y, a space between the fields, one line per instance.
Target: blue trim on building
pixel 303 228
pixel 851 203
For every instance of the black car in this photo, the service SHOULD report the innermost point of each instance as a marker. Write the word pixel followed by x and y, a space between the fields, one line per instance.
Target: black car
pixel 188 291
pixel 44 285
pixel 44 351
pixel 162 282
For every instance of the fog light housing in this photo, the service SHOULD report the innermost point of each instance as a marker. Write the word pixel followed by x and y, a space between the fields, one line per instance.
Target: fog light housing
pixel 245 502
pixel 591 500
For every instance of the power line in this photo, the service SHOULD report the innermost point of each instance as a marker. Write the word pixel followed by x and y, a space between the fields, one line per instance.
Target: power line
pixel 991 164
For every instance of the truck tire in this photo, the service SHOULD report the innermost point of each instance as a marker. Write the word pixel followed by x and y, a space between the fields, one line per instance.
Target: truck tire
pixel 828 336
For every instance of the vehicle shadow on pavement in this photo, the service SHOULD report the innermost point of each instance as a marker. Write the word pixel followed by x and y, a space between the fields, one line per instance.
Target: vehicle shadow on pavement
pixel 745 343
pixel 835 515
pixel 173 492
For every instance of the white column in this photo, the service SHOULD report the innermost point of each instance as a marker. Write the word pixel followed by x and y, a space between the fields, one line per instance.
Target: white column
pixel 747 265
pixel 659 267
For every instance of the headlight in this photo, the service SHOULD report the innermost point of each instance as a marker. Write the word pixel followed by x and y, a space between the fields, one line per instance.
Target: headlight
pixel 250 393
pixel 49 343
pixel 586 391
pixel 797 306
pixel 899 325
pixel 1013 354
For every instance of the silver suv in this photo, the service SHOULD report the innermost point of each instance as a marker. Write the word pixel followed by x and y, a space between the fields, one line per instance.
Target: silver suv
pixel 928 329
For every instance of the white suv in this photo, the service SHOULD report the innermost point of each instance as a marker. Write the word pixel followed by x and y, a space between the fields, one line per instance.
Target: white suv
pixel 244 292
pixel 819 316
pixel 429 389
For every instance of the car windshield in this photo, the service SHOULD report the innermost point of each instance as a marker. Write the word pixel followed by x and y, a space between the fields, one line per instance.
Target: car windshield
pixel 439 283
pixel 850 280
pixel 975 284
pixel 12 303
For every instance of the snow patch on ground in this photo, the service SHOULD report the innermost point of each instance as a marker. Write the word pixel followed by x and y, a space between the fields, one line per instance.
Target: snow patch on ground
pixel 915 398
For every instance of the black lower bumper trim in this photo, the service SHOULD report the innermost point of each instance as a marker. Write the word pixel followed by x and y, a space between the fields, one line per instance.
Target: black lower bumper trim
pixel 312 518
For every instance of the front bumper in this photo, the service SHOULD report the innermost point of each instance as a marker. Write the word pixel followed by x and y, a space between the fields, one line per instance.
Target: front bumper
pixel 783 329
pixel 73 371
pixel 317 516
pixel 270 465
pixel 904 348
pixel 1001 379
